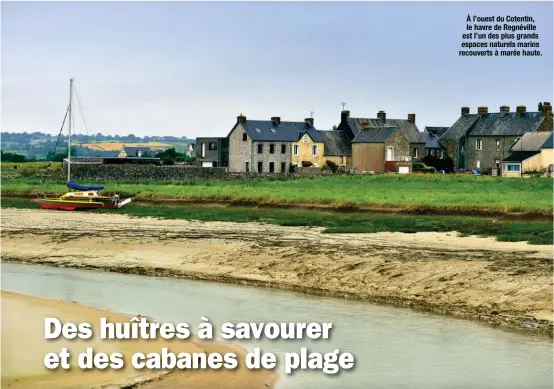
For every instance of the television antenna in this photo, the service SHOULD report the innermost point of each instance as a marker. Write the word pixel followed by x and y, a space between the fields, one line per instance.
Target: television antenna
pixel 343 104
pixel 312 114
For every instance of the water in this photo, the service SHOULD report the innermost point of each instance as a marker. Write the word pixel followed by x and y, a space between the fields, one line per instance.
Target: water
pixel 394 348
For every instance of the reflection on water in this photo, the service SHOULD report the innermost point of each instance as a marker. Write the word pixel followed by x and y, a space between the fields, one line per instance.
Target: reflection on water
pixel 394 348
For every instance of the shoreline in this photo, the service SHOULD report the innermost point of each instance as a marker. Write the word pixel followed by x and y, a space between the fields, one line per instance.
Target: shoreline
pixel 22 330
pixel 505 284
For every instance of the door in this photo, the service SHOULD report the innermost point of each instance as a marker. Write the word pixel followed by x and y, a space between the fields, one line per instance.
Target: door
pixel 390 153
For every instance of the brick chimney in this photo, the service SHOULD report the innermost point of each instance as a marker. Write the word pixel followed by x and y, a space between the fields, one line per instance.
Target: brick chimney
pixel 520 110
pixel 344 116
pixel 482 110
pixel 310 121
pixel 276 120
pixel 411 117
pixel 381 115
pixel 546 109
pixel 465 111
pixel 504 109
pixel 241 118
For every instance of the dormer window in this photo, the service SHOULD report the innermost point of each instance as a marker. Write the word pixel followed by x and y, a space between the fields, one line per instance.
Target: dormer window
pixel 258 130
pixel 273 130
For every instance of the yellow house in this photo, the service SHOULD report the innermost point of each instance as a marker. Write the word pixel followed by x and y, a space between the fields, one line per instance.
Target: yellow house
pixel 532 152
pixel 308 149
pixel 338 148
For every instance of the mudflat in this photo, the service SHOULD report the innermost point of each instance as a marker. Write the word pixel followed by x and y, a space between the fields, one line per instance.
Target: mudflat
pixel 502 283
pixel 24 348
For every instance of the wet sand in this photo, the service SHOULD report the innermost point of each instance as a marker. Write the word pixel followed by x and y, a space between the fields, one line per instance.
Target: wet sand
pixel 24 347
pixel 502 283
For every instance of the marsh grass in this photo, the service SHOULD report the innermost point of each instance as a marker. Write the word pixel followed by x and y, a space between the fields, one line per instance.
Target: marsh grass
pixel 536 232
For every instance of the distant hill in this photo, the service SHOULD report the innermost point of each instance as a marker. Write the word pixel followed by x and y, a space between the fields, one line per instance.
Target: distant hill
pixel 38 144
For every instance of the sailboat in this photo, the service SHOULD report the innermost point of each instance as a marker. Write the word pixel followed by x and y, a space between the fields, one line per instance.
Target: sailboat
pixel 79 196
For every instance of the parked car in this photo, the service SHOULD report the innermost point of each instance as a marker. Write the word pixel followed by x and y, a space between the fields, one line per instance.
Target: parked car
pixel 476 172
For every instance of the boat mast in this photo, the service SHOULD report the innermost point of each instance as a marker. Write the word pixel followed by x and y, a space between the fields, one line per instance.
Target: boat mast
pixel 69 138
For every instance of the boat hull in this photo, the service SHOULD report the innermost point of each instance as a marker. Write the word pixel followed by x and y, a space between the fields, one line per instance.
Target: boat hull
pixel 74 205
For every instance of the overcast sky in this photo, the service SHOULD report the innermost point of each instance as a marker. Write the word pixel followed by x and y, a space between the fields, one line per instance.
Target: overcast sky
pixel 188 69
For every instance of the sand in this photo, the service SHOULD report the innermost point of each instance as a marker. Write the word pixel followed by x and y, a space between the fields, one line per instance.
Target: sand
pixel 24 347
pixel 502 283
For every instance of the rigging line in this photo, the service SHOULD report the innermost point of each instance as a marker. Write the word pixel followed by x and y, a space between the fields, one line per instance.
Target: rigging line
pixel 80 109
pixel 55 147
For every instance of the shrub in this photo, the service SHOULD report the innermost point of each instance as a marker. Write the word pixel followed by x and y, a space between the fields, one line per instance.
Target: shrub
pixel 332 166
pixel 306 164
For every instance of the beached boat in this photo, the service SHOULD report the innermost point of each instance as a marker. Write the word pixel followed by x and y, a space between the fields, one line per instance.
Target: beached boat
pixel 79 196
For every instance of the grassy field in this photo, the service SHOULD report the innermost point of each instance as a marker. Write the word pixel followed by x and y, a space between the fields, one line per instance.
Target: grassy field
pixel 336 222
pixel 441 193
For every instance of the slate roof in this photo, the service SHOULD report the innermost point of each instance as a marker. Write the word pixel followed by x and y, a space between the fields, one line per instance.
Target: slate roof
pixel 375 134
pixel 267 131
pixel 549 144
pixel 133 151
pixel 519 156
pixel 460 128
pixel 438 131
pixel 336 143
pixel 407 128
pixel 531 141
pixel 506 124
pixel 431 141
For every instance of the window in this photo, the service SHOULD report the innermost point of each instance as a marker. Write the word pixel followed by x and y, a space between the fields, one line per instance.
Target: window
pixel 258 130
pixel 497 145
pixel 514 167
pixel 244 136
pixel 272 167
pixel 272 148
pixel 272 130
pixel 478 164
pixel 442 153
pixel 212 146
pixel 427 152
pixel 433 153
pixel 478 144
pixel 260 167
pixel 247 167
pixel 314 150
pixel 295 149
pixel 415 152
pixel 283 149
pixel 260 148
pixel 390 153
pixel 283 167
pixel 203 150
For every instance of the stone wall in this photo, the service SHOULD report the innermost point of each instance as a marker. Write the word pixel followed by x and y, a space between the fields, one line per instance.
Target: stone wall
pixel 400 145
pixel 277 157
pixel 488 156
pixel 240 151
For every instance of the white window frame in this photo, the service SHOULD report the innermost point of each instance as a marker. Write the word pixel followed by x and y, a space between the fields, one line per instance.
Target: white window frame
pixel 479 144
pixel 497 144
pixel 314 150
pixel 415 152
pixel 391 154
pixel 203 150
pixel 478 164
pixel 296 149
pixel 514 170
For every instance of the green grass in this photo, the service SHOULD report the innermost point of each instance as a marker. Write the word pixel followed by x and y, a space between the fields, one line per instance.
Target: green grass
pixel 434 192
pixel 536 232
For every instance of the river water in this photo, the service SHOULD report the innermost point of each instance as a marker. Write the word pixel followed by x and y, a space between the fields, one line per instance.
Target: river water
pixel 393 347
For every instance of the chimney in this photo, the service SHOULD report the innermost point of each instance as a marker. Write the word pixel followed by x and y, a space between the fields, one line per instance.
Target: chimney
pixel 382 116
pixel 344 116
pixel 310 121
pixel 504 109
pixel 276 120
pixel 465 111
pixel 482 110
pixel 546 109
pixel 411 117
pixel 520 110
pixel 241 118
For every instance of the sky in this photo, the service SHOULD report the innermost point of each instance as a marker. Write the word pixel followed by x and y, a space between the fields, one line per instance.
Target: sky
pixel 190 68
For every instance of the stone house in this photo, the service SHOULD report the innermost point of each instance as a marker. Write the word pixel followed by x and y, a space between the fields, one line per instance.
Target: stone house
pixel 212 152
pixel 533 152
pixel 139 152
pixel 432 145
pixel 483 140
pixel 353 126
pixel 381 148
pixel 272 146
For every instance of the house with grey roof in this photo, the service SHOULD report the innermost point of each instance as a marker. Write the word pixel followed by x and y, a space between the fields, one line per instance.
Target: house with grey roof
pixel 212 152
pixel 136 152
pixel 483 140
pixel 432 145
pixel 337 147
pixel 437 131
pixel 379 148
pixel 272 146
pixel 353 126
pixel 532 152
